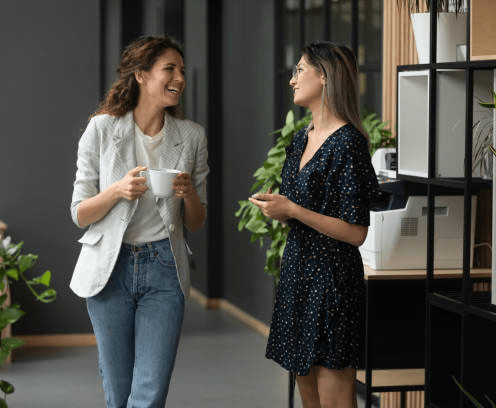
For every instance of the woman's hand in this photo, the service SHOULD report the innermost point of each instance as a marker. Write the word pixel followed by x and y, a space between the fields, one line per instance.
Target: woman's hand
pixel 132 186
pixel 194 211
pixel 183 186
pixel 274 206
pixel 281 208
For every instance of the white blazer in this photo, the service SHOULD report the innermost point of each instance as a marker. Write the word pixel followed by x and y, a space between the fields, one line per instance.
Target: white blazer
pixel 105 155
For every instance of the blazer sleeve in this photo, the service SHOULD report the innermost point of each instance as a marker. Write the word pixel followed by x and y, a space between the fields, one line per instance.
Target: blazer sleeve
pixel 86 184
pixel 201 170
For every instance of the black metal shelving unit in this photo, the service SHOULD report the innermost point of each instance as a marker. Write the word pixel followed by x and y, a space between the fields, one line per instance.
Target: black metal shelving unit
pixel 461 324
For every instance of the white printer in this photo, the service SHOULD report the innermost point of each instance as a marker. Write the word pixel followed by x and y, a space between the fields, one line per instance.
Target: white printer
pixel 397 236
pixel 397 239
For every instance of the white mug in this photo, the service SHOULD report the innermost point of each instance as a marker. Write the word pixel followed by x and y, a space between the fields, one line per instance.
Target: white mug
pixel 160 181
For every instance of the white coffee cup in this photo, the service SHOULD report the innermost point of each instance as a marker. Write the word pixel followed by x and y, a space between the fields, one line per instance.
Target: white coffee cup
pixel 160 181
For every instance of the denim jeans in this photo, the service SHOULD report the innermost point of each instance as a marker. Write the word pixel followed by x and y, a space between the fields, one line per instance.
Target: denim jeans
pixel 137 320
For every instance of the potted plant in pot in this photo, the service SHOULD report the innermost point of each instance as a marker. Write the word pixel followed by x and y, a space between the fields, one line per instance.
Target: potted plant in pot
pixel 13 267
pixel 451 27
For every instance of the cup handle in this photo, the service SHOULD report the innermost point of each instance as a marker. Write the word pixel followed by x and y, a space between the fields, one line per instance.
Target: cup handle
pixel 146 175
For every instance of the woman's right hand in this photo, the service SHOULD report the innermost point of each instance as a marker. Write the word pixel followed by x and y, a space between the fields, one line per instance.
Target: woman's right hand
pixel 132 186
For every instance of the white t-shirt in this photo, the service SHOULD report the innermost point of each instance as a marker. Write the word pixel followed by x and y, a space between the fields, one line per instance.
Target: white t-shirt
pixel 147 224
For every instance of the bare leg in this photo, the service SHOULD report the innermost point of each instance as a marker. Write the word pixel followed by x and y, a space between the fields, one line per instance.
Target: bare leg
pixel 309 392
pixel 325 388
pixel 337 388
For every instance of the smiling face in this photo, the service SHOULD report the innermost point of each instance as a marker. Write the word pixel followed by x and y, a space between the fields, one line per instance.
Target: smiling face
pixel 307 84
pixel 164 83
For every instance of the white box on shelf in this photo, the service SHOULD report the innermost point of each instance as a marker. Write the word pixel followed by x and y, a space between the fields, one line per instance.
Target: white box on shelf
pixel 413 134
pixel 413 121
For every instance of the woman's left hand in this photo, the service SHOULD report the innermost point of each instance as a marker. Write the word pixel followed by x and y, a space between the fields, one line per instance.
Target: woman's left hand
pixel 194 210
pixel 274 206
pixel 182 185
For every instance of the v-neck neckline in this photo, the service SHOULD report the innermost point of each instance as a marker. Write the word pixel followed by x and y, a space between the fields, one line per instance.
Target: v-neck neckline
pixel 317 152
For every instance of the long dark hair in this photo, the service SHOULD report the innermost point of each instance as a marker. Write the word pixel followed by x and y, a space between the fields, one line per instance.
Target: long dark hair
pixel 339 66
pixel 140 55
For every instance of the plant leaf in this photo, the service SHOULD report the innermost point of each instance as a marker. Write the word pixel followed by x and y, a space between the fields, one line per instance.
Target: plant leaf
pixel 493 150
pixel 10 314
pixel 493 405
pixel 487 105
pixel 26 262
pixel 12 273
pixel 47 296
pixel 7 345
pixel 467 394
pixel 42 280
pixel 6 387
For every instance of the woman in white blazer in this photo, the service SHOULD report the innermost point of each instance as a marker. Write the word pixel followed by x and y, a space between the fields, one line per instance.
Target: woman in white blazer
pixel 133 266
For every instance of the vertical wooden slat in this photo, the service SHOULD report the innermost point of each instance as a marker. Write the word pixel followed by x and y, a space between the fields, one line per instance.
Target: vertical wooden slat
pixel 414 399
pixel 398 49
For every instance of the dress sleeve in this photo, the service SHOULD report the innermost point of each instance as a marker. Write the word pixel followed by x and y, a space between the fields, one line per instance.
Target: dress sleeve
pixel 354 182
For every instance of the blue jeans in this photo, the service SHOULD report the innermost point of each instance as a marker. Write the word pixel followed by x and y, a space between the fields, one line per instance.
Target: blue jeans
pixel 137 320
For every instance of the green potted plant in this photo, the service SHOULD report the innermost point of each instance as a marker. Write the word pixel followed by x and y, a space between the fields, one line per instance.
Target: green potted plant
pixel 378 130
pixel 483 136
pixel 451 27
pixel 269 176
pixel 13 267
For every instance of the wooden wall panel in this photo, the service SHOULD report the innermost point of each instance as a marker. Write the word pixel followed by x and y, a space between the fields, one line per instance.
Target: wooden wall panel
pixel 398 49
pixel 483 34
pixel 414 399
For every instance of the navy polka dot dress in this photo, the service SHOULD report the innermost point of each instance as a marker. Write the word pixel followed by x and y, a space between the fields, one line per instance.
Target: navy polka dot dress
pixel 318 312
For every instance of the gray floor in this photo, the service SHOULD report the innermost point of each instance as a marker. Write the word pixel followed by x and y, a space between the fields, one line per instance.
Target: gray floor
pixel 220 364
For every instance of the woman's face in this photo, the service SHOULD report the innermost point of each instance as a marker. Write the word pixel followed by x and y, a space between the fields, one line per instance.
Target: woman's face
pixel 164 83
pixel 307 84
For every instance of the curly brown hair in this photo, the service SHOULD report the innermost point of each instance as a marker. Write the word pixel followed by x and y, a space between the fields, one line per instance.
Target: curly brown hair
pixel 140 55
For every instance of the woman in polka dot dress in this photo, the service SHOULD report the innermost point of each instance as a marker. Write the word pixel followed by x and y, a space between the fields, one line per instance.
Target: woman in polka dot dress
pixel 327 185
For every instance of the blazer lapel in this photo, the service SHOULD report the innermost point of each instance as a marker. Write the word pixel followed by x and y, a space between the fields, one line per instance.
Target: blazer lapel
pixel 171 148
pixel 124 145
pixel 124 157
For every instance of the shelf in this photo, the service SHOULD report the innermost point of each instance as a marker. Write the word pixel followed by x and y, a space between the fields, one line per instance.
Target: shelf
pixel 480 304
pixel 486 64
pixel 406 379
pixel 418 274
pixel 444 185
pixel 413 122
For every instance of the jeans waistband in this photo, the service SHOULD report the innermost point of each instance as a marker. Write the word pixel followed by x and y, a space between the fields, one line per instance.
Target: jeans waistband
pixel 145 246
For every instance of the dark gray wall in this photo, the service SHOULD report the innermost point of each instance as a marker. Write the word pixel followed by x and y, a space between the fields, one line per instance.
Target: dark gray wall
pixel 248 117
pixel 112 41
pixel 248 47
pixel 195 108
pixel 49 70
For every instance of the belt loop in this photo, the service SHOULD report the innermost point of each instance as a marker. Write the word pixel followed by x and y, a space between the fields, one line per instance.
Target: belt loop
pixel 150 246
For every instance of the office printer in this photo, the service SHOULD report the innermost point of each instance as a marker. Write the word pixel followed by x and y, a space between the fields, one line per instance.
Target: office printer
pixel 397 236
